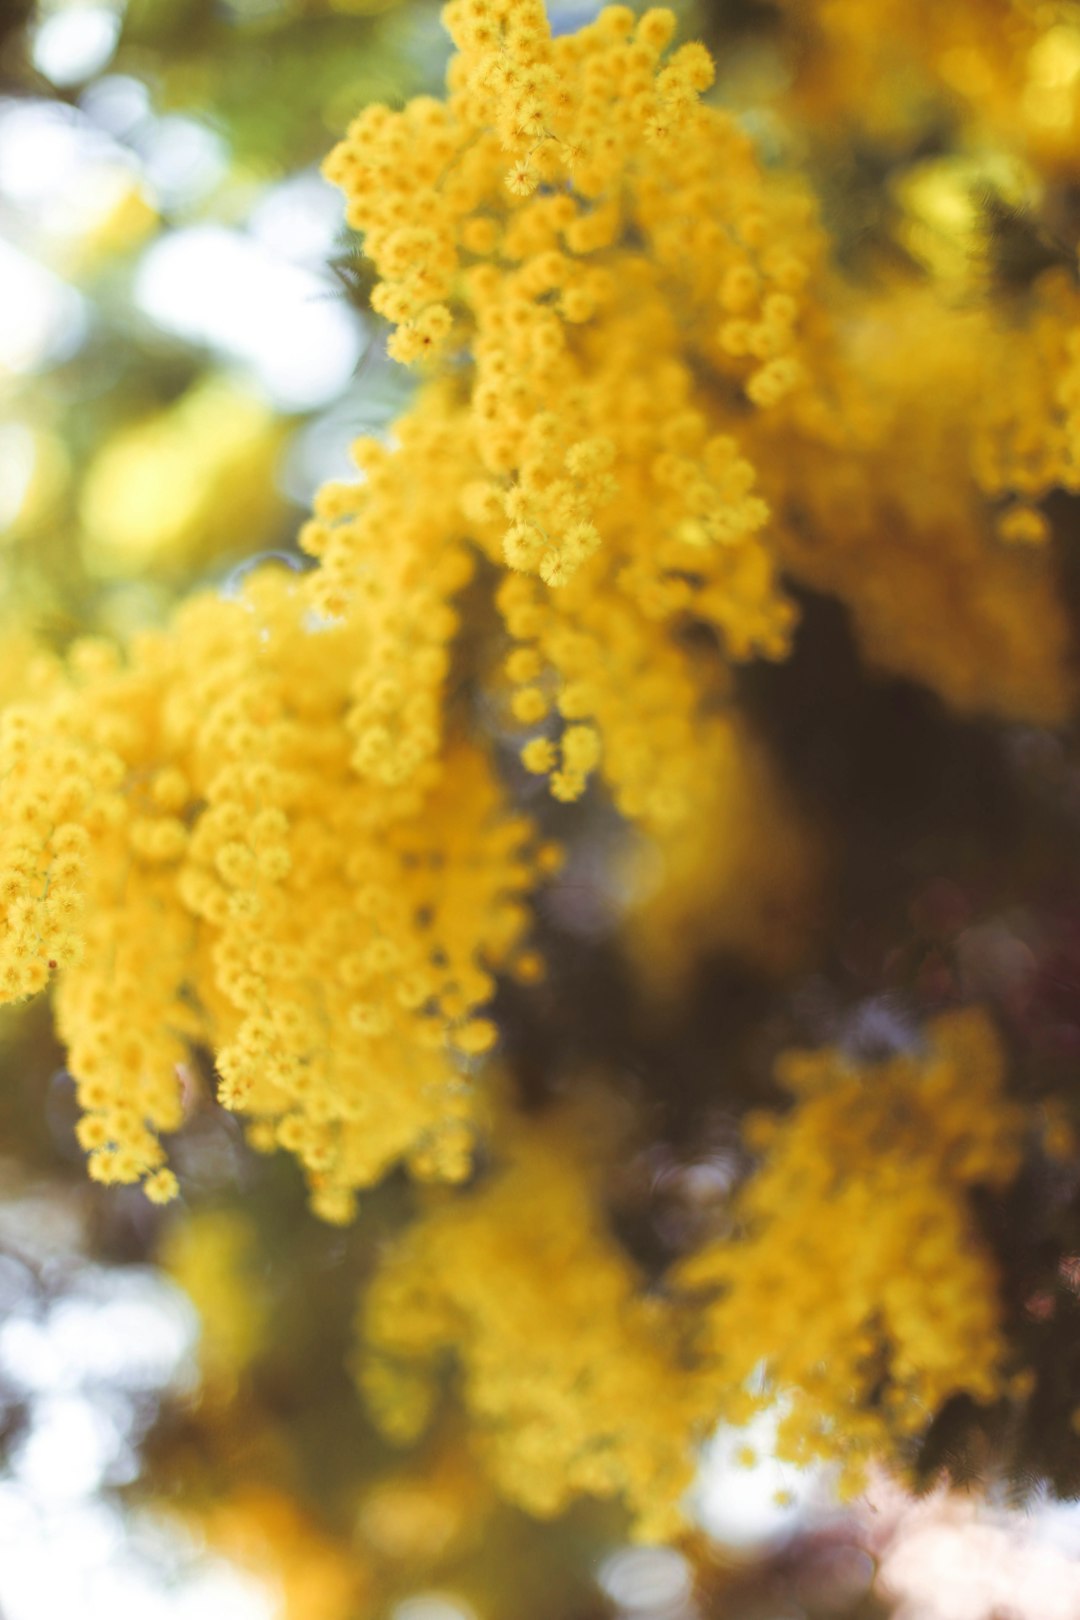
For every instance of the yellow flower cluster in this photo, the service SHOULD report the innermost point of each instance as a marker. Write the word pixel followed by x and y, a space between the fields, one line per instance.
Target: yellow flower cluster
pixel 273 789
pixel 872 1168
pixel 593 266
pixel 568 1371
pixel 1011 66
pixel 1014 352
pixel 578 1383
pixel 270 830
pixel 565 240
pixel 894 499
pixel 189 848
pixel 1028 430
pixel 939 406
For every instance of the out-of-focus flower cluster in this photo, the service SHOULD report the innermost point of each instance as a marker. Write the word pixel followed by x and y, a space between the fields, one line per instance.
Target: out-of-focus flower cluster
pixel 872 1167
pixel 294 828
pixel 568 1372
pixel 578 1383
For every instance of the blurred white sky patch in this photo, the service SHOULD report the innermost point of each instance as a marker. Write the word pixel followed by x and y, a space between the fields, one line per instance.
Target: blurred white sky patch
pixel 183 160
pixel 89 1350
pixel 282 323
pixel 952 1557
pixel 74 41
pixel 117 104
pixel 82 1563
pixel 299 220
pixel 648 1583
pixel 60 174
pixel 947 1556
pixel 45 150
pixel 746 1507
pixel 434 1606
pixel 127 1327
pixel 259 298
pixel 42 319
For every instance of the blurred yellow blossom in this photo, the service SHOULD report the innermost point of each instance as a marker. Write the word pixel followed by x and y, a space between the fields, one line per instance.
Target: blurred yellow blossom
pixel 280 831
pixel 128 219
pixel 568 1370
pixel 211 1255
pixel 1011 67
pixel 193 483
pixel 262 1529
pixel 887 500
pixel 579 1382
pixel 744 876
pixel 872 1168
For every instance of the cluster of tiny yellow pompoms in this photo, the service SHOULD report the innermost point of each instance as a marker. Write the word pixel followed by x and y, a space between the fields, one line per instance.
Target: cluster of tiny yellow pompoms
pixel 42 849
pixel 872 1168
pixel 192 850
pixel 1027 431
pixel 94 910
pixel 270 789
pixel 567 1371
pixel 945 401
pixel 576 226
pixel 922 545
pixel 265 831
pixel 596 265
pixel 391 558
pixel 1011 66
pixel 578 1385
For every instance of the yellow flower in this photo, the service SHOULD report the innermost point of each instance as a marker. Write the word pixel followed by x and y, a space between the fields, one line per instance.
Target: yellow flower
pixel 568 1371
pixel 578 450
pixel 872 1168
pixel 192 850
